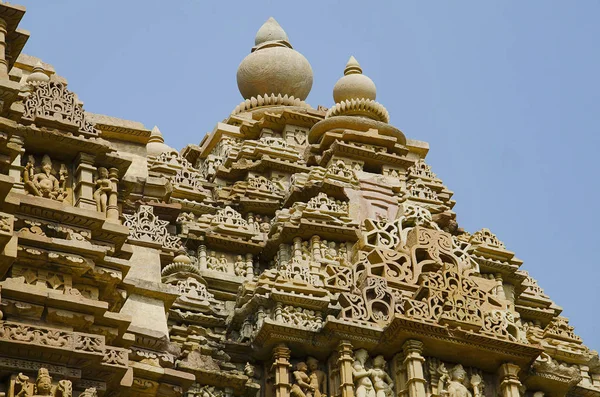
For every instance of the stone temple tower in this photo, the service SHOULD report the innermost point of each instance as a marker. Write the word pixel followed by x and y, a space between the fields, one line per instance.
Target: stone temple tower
pixel 294 252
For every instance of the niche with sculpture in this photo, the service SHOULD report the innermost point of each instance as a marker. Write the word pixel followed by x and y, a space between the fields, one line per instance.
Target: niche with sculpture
pixel 43 177
pixel 371 377
pixel 43 386
pixel 454 380
pixel 308 380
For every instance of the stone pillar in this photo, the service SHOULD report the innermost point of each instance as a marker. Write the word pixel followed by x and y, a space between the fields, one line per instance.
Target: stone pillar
pixel 281 366
pixel 3 60
pixel 16 169
pixel 315 243
pixel 202 257
pixel 345 360
pixel 112 208
pixel 413 361
pixel 509 380
pixel 249 267
pixel 84 181
pixel 278 315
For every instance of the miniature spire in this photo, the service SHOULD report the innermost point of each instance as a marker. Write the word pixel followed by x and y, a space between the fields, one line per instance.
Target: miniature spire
pixel 156 143
pixel 352 67
pixel 270 31
pixel 354 84
pixel 156 135
pixel 354 95
pixel 37 75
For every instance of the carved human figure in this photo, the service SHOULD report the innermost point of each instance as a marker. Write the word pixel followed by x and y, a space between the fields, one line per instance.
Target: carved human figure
pixel 383 383
pixel 43 386
pixel 90 392
pixel 103 189
pixel 302 383
pixel 361 376
pixel 452 384
pixel 331 251
pixel 44 183
pixel 239 266
pixel 222 267
pixel 265 225
pixel 318 378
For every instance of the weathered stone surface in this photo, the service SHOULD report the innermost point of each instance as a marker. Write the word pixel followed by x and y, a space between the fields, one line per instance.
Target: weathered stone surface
pixel 294 252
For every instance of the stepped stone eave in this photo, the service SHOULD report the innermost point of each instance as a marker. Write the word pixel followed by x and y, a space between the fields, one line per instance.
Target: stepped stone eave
pixel 292 252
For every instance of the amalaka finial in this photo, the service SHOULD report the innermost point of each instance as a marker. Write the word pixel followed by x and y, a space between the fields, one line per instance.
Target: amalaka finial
pixel 352 67
pixel 354 95
pixel 273 67
pixel 354 84
pixel 270 31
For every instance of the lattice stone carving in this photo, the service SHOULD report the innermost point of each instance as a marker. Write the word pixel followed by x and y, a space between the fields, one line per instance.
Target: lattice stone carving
pixel 420 169
pixel 417 189
pixel 147 228
pixel 51 103
pixel 194 288
pixel 415 215
pixel 261 183
pixel 327 205
pixel 561 329
pixel 485 236
pixel 382 233
pixel 374 302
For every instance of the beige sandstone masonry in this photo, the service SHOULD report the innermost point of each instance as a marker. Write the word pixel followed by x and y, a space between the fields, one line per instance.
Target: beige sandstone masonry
pixel 293 252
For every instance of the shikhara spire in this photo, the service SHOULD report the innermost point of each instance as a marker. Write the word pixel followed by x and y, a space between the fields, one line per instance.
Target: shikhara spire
pixel 294 252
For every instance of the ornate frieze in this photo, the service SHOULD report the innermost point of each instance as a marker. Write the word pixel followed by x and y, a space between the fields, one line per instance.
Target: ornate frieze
pixel 53 105
pixel 145 227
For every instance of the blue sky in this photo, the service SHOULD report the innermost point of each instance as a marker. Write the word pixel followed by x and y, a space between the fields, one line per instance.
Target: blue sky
pixel 505 92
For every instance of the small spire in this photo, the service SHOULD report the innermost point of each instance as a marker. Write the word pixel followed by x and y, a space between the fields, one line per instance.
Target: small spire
pixel 270 31
pixel 38 74
pixel 352 67
pixel 156 135
pixel 39 67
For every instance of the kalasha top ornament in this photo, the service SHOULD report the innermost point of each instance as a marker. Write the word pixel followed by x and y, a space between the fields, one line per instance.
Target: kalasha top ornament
pixel 293 252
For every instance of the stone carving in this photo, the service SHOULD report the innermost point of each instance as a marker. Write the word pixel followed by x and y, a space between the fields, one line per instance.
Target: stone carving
pixel 419 190
pixel 371 381
pixel 420 169
pixel 51 102
pixel 485 236
pixel 326 204
pixel 318 378
pixel 104 187
pixel 304 385
pixel 285 232
pixel 42 182
pixel 43 386
pixel 452 383
pixel 299 317
pixel 89 392
pixel 146 227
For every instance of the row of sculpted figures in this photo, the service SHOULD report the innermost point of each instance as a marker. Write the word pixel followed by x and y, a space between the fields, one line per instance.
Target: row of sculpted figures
pixel 350 372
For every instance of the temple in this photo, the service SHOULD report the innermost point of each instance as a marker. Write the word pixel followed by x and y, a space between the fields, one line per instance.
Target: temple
pixel 293 252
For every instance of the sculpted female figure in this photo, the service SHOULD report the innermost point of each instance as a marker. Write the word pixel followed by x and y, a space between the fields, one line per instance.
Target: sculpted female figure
pixel 103 188
pixel 362 382
pixel 302 387
pixel 317 377
pixel 455 382
pixel 382 381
